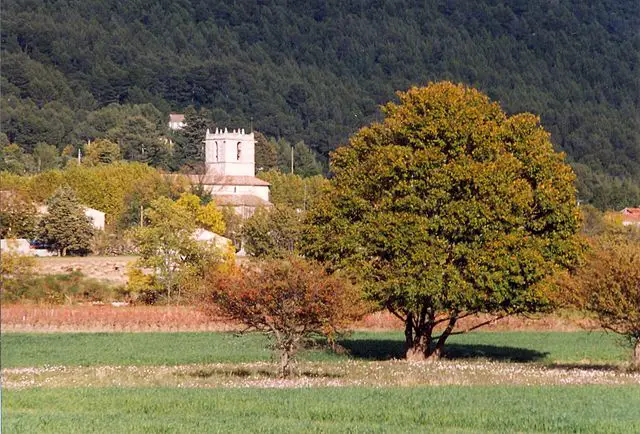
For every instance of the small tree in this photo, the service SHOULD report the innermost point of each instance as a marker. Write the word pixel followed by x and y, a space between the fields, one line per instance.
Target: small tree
pixel 207 216
pixel 166 245
pixel 101 151
pixel 272 232
pixel 287 299
pixel 66 228
pixel 18 216
pixel 608 284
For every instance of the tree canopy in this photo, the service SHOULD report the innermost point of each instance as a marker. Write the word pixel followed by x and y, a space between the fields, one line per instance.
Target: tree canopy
pixel 65 227
pixel 316 71
pixel 447 207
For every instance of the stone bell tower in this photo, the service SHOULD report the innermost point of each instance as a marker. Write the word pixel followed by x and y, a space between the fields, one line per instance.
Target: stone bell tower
pixel 230 153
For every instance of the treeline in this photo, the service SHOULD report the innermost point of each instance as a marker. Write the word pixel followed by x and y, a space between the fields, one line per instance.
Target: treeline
pixel 316 71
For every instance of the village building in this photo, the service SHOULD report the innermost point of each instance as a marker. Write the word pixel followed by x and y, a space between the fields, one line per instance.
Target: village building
pixel 630 216
pixel 230 171
pixel 96 217
pixel 176 121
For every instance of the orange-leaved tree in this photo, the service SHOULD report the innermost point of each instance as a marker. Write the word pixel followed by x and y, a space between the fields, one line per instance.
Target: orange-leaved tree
pixel 608 284
pixel 287 299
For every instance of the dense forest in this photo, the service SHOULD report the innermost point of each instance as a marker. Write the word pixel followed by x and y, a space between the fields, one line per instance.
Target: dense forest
pixel 316 71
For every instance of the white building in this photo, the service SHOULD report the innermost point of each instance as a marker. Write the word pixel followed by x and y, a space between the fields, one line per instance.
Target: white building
pixel 631 216
pixel 230 171
pixel 96 217
pixel 176 121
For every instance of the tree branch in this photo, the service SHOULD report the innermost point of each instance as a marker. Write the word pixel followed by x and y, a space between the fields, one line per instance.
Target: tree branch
pixel 477 326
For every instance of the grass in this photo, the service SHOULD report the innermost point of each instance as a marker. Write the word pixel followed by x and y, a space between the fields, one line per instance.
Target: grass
pixel 140 349
pixel 612 409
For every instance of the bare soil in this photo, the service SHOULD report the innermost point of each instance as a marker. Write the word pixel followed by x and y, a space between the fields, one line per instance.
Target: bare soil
pixel 108 268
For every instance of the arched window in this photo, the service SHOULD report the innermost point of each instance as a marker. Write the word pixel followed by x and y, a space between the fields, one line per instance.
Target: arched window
pixel 217 158
pixel 239 145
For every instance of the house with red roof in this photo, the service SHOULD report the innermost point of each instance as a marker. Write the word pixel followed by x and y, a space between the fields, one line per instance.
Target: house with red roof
pixel 630 216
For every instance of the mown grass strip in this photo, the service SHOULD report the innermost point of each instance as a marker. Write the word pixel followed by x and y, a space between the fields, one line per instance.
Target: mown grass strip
pixel 591 409
pixel 91 349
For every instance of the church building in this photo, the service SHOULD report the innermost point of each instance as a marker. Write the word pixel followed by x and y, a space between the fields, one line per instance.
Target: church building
pixel 230 171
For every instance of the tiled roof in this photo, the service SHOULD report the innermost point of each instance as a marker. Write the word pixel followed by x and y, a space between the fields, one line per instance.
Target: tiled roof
pixel 226 180
pixel 631 214
pixel 176 117
pixel 239 200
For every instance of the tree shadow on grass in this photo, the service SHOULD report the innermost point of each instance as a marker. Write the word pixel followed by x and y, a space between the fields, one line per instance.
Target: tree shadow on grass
pixel 605 367
pixel 386 349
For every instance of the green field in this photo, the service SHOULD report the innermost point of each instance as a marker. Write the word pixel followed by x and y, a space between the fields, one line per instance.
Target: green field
pixel 448 409
pixel 222 382
pixel 92 349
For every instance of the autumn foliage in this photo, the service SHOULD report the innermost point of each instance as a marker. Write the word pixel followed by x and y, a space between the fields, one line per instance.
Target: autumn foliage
pixel 288 299
pixel 608 284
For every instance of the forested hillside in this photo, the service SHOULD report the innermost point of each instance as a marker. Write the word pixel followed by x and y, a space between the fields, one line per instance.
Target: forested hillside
pixel 316 70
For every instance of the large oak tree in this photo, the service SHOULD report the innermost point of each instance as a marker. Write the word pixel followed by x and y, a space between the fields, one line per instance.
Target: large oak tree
pixel 447 208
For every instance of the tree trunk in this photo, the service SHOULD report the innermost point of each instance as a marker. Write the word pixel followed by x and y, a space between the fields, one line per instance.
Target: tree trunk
pixel 285 358
pixel 64 251
pixel 419 348
pixel 636 355
pixel 438 351
pixel 417 334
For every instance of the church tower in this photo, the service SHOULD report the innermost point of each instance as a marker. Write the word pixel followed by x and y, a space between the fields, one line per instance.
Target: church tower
pixel 230 153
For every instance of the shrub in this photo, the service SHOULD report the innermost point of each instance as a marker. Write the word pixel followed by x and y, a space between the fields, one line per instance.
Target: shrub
pixel 287 299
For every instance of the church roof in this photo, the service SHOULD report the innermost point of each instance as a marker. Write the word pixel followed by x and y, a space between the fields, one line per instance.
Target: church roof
pixel 239 200
pixel 227 180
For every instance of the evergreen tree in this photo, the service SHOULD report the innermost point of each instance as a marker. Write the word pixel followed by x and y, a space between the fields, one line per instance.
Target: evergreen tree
pixel 189 146
pixel 66 228
pixel 266 153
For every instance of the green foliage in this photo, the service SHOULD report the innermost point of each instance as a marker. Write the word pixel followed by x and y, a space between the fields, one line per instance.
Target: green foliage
pixel 448 207
pixel 207 216
pixel 117 189
pixel 305 162
pixel 266 153
pixel 59 289
pixel 189 147
pixel 18 216
pixel 272 232
pixel 167 247
pixel 46 157
pixel 15 160
pixel 101 151
pixel 15 271
pixel 316 72
pixel 65 227
pixel 293 190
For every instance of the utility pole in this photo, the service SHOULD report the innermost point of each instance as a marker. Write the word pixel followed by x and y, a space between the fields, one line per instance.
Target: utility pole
pixel 292 159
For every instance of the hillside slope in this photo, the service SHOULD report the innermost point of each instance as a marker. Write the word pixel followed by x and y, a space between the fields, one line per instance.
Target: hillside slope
pixel 316 70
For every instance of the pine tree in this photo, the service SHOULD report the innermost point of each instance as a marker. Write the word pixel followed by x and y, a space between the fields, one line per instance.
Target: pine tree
pixel 66 228
pixel 189 148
